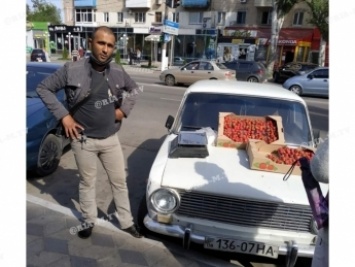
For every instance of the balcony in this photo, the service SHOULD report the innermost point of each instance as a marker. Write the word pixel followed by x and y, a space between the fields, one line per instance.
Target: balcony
pixel 138 3
pixel 263 3
pixel 84 3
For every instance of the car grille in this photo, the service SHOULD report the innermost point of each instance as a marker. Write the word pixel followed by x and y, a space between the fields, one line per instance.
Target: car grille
pixel 243 212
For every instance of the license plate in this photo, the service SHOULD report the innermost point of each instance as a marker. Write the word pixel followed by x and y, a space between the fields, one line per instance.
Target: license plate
pixel 241 246
pixel 39 59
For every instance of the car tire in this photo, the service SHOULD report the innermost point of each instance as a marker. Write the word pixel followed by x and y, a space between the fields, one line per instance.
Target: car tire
pixel 296 89
pixel 49 155
pixel 170 80
pixel 252 79
pixel 142 212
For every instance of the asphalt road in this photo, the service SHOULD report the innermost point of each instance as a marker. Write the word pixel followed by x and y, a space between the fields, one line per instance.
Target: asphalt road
pixel 141 136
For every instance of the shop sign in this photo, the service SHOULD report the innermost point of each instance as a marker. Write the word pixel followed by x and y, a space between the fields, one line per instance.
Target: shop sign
pixel 237 41
pixel 154 30
pixel 287 42
pixel 64 28
pixel 240 33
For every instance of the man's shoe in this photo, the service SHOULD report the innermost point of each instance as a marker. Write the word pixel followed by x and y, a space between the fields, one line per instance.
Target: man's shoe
pixel 133 231
pixel 86 232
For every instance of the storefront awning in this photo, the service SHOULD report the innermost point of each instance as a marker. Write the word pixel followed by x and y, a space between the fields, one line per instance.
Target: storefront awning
pixel 152 38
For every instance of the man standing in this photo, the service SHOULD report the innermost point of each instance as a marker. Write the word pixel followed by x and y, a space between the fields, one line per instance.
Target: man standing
pixel 99 95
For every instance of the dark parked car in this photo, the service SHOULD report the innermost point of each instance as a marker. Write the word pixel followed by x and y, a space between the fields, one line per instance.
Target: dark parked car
pixel 249 71
pixel 38 55
pixel 291 69
pixel 44 147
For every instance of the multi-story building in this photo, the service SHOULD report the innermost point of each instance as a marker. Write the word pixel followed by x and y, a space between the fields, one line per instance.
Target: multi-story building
pixel 224 29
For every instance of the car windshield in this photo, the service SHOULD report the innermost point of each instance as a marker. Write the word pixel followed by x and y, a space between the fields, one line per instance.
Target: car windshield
pixel 34 76
pixel 202 110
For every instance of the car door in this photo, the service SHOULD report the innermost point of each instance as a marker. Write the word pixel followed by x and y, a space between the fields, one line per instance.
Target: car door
pixel 322 82
pixel 205 71
pixel 188 73
pixel 243 70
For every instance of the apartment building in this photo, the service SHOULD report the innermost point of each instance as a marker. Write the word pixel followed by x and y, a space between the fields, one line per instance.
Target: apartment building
pixel 223 29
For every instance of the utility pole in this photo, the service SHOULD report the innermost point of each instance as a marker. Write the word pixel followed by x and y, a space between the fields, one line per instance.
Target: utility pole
pixel 164 62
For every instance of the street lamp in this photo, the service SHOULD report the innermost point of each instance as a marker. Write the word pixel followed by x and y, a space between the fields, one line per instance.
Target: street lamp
pixel 69 36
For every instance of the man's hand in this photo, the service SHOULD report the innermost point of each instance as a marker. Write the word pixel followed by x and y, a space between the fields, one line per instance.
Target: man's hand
pixel 71 127
pixel 119 114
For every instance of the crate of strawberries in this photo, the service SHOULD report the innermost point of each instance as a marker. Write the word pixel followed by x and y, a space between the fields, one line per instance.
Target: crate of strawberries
pixel 235 131
pixel 276 157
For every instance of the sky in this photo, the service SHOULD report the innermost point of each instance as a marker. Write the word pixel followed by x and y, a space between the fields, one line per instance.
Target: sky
pixel 57 3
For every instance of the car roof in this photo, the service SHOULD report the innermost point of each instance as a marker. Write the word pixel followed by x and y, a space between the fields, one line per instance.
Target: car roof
pixel 44 65
pixel 266 90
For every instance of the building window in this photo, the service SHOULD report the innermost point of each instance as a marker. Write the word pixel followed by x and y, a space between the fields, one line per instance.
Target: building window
pixel 221 17
pixel 266 18
pixel 139 17
pixel 158 17
pixel 195 17
pixel 106 17
pixel 119 17
pixel 84 15
pixel 241 16
pixel 298 18
pixel 176 16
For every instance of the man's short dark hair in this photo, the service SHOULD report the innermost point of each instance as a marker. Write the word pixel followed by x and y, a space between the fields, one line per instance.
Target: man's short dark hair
pixel 102 28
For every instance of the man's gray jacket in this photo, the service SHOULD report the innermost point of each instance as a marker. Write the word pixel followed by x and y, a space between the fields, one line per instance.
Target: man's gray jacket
pixel 75 78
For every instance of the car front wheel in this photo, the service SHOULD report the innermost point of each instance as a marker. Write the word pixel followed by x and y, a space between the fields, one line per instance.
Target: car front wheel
pixel 253 79
pixel 296 89
pixel 49 155
pixel 170 80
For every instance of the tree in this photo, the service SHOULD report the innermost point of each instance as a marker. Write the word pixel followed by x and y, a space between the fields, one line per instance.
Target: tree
pixel 320 14
pixel 43 11
pixel 280 8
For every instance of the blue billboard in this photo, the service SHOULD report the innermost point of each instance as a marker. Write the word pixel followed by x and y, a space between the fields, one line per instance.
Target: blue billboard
pixel 84 3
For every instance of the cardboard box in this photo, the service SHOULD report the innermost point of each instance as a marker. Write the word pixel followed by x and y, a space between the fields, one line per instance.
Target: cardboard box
pixel 257 153
pixel 225 141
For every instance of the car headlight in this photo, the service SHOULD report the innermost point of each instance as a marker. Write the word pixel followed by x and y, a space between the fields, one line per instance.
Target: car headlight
pixel 165 200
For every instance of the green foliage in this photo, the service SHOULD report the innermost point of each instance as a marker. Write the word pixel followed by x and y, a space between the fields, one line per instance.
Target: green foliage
pixel 43 11
pixel 118 57
pixel 320 14
pixel 285 6
pixel 65 53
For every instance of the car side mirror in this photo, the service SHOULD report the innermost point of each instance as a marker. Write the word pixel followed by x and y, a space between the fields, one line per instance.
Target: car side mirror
pixel 310 76
pixel 169 122
pixel 183 68
pixel 316 136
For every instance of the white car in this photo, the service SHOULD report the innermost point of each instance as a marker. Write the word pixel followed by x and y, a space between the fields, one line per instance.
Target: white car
pixel 217 200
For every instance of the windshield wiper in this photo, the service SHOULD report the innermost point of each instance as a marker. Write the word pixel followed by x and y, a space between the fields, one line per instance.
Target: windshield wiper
pixel 191 127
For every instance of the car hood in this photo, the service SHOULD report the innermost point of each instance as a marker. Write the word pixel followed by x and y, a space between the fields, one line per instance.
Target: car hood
pixel 226 172
pixel 34 105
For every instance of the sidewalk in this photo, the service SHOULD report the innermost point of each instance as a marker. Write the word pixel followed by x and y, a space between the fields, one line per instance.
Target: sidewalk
pixel 50 242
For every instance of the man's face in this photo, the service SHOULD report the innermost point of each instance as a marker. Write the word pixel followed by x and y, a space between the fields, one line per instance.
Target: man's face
pixel 102 45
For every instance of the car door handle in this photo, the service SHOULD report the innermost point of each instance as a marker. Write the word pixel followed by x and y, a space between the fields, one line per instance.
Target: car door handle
pixel 209 72
pixel 325 80
pixel 192 72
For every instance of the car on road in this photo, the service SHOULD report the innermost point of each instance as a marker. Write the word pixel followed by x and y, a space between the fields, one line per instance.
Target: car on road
pixel 44 147
pixel 195 71
pixel 291 69
pixel 314 82
pixel 39 55
pixel 207 194
pixel 87 54
pixel 250 71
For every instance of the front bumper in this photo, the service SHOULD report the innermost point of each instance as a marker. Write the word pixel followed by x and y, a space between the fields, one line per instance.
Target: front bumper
pixel 289 249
